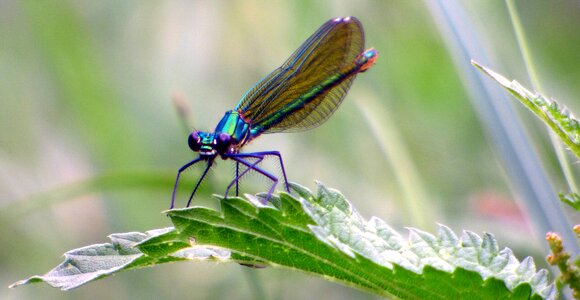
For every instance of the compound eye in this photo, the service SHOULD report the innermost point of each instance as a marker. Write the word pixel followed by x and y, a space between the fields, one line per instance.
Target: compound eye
pixel 223 142
pixel 194 141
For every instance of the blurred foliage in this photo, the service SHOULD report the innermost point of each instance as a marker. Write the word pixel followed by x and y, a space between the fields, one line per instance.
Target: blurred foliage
pixel 571 199
pixel 86 90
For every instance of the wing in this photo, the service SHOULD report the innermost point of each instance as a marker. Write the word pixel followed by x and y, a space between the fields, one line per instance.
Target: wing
pixel 310 85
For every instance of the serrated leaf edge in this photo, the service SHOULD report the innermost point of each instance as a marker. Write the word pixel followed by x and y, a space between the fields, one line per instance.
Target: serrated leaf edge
pixel 444 252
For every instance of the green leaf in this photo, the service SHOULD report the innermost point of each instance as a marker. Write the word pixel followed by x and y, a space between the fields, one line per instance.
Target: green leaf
pixel 321 234
pixel 93 262
pixel 560 120
pixel 571 199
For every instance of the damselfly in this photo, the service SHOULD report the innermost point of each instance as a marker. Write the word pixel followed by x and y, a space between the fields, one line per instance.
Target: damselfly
pixel 301 94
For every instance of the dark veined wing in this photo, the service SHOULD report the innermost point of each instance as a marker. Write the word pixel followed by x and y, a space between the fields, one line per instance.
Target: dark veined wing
pixel 293 97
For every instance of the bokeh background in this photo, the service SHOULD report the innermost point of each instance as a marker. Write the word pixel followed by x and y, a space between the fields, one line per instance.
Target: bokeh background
pixel 90 138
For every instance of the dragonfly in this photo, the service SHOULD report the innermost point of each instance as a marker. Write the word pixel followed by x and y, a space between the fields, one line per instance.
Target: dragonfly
pixel 299 95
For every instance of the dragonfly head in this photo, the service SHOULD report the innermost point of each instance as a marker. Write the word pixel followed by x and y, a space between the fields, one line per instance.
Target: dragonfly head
pixel 210 144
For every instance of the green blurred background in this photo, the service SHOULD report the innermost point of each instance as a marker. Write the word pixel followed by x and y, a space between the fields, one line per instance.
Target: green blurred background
pixel 85 94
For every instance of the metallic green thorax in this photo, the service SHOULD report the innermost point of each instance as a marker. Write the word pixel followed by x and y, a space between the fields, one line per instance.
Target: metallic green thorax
pixel 233 124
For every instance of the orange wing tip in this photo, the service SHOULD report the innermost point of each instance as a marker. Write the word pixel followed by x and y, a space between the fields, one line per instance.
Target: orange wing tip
pixel 367 59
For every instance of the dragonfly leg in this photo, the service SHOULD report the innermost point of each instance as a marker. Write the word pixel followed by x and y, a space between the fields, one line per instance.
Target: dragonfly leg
pixel 251 166
pixel 236 180
pixel 187 165
pixel 209 164
pixel 263 154
pixel 277 154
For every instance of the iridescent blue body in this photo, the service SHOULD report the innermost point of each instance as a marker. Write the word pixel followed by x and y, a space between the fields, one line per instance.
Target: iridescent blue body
pixel 301 94
pixel 231 127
